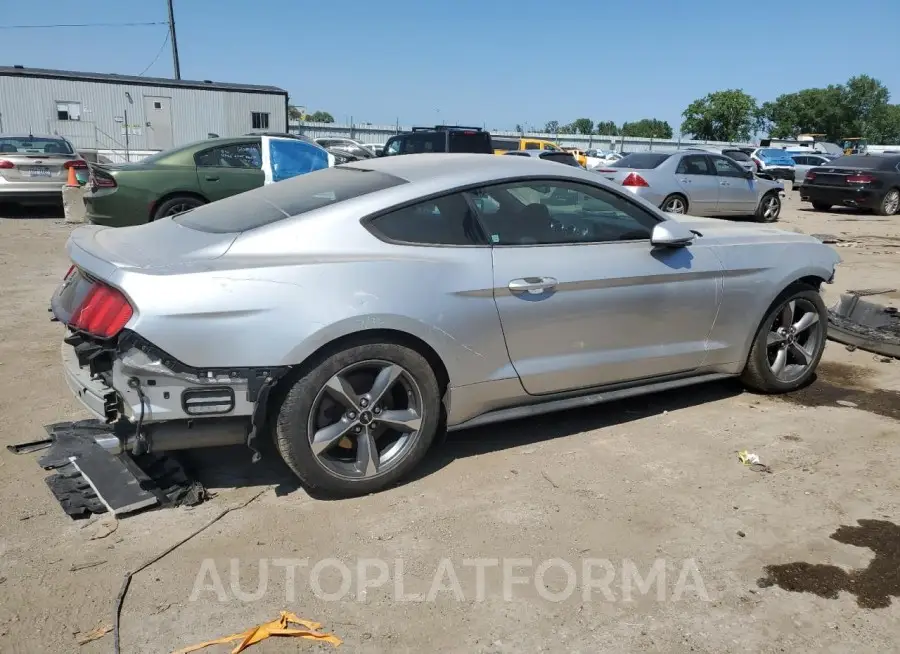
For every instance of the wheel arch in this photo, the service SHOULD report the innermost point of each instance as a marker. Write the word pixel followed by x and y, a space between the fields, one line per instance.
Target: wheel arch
pixel 174 194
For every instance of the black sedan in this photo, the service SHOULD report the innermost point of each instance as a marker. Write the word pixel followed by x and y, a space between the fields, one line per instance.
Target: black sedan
pixel 865 181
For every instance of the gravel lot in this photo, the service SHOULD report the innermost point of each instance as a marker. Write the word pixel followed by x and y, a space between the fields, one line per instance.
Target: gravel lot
pixel 618 486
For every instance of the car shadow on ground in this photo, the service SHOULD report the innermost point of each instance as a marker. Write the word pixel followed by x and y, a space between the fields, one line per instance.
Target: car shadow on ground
pixel 230 467
pixel 20 212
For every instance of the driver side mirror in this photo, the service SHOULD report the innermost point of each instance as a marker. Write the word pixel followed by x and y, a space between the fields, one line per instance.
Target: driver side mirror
pixel 749 174
pixel 671 233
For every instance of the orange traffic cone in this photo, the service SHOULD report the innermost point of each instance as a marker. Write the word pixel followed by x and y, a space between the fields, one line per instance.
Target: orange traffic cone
pixel 72 181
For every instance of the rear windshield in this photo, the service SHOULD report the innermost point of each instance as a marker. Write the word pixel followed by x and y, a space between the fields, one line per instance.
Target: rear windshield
pixel 865 162
pixel 504 144
pixel 772 153
pixel 289 198
pixel 561 157
pixel 640 160
pixel 33 145
pixel 477 142
pixel 737 155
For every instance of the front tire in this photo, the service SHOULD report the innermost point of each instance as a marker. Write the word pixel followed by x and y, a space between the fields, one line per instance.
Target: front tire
pixel 360 420
pixel 769 208
pixel 789 343
pixel 890 203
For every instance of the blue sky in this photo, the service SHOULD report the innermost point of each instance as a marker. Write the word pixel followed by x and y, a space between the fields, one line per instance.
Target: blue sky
pixel 493 62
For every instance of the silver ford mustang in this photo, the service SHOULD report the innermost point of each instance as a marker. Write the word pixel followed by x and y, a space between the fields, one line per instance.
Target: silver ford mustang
pixel 355 311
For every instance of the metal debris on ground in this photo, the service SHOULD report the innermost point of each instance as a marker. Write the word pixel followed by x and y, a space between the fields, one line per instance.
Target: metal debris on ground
pixel 752 461
pixel 278 628
pixel 864 324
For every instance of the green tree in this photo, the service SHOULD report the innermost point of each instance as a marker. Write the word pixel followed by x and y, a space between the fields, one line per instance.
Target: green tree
pixel 886 123
pixel 607 128
pixel 730 115
pixel 864 99
pixel 551 127
pixel 566 129
pixel 294 113
pixel 583 126
pixel 648 128
pixel 320 117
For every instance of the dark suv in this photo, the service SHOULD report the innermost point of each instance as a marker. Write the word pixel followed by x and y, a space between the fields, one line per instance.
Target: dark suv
pixel 440 138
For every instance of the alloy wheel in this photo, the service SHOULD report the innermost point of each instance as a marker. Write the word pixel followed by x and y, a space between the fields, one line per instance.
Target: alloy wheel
pixel 771 207
pixel 674 205
pixel 178 208
pixel 365 419
pixel 794 340
pixel 892 202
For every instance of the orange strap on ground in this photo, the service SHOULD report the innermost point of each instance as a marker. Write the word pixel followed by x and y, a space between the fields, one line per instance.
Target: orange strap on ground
pixel 276 628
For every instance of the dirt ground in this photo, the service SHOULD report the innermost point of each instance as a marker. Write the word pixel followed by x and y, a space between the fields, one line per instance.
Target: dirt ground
pixel 608 491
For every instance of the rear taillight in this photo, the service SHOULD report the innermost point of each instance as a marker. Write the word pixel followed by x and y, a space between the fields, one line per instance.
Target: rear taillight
pixel 104 312
pixel 758 163
pixel 75 163
pixel 102 180
pixel 810 175
pixel 859 179
pixel 6 165
pixel 69 272
pixel 633 179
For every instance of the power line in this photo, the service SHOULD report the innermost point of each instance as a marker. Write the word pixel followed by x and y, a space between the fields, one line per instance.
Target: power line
pixel 158 54
pixel 40 27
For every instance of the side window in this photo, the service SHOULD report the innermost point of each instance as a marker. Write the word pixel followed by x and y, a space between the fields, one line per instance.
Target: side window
pixel 393 146
pixel 694 164
pixel 558 212
pixel 531 145
pixel 727 168
pixel 236 155
pixel 548 146
pixel 448 220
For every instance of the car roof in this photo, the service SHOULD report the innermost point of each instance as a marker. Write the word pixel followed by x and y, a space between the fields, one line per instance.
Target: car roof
pixel 20 135
pixel 458 166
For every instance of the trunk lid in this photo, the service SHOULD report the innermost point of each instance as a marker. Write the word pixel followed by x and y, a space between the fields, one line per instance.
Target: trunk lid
pixel 158 245
pixel 35 167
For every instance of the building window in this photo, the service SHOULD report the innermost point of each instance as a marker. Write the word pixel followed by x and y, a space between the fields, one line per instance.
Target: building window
pixel 68 110
pixel 260 120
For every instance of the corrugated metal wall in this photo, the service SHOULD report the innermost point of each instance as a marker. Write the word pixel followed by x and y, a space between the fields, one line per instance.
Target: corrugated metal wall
pixel 29 104
pixel 367 133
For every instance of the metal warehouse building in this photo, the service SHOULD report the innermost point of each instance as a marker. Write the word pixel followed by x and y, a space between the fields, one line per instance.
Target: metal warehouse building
pixel 94 110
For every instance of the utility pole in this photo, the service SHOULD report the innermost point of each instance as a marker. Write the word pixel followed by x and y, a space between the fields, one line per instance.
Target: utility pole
pixel 174 41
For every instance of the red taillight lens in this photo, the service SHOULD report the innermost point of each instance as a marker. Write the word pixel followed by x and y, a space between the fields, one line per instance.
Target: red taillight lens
pixel 75 163
pixel 860 179
pixel 810 175
pixel 633 179
pixel 100 180
pixel 6 165
pixel 69 272
pixel 104 312
pixel 757 162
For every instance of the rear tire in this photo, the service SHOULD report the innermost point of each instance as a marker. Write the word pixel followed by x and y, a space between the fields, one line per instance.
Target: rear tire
pixel 890 203
pixel 781 360
pixel 176 205
pixel 675 203
pixel 821 206
pixel 334 416
pixel 769 208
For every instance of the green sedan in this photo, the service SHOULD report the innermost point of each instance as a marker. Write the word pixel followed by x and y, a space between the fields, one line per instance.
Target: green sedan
pixel 177 180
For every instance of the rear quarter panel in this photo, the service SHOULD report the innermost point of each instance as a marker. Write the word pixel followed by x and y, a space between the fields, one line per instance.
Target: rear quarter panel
pixel 262 305
pixel 138 191
pixel 757 269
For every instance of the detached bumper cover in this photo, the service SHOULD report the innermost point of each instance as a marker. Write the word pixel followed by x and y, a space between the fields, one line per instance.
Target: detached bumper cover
pixel 865 324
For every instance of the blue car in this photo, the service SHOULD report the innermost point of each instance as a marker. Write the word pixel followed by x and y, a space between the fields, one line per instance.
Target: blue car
pixel 774 163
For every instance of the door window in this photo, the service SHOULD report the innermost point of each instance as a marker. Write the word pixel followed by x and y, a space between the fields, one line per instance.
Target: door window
pixel 694 164
pixel 235 155
pixel 558 212
pixel 448 220
pixel 726 168
pixel 532 145
pixel 425 142
pixel 393 146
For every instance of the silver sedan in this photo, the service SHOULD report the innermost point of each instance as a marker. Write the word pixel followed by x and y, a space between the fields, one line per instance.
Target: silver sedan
pixel 352 312
pixel 699 183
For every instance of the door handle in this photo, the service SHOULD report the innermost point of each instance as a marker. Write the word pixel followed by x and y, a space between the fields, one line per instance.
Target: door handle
pixel 723 183
pixel 212 178
pixel 533 285
pixel 685 181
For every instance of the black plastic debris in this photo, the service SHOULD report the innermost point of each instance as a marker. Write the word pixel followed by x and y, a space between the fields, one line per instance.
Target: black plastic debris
pixel 88 479
pixel 865 324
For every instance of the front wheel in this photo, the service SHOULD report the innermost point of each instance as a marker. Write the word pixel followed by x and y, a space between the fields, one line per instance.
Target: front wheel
pixel 360 420
pixel 789 343
pixel 890 204
pixel 769 208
